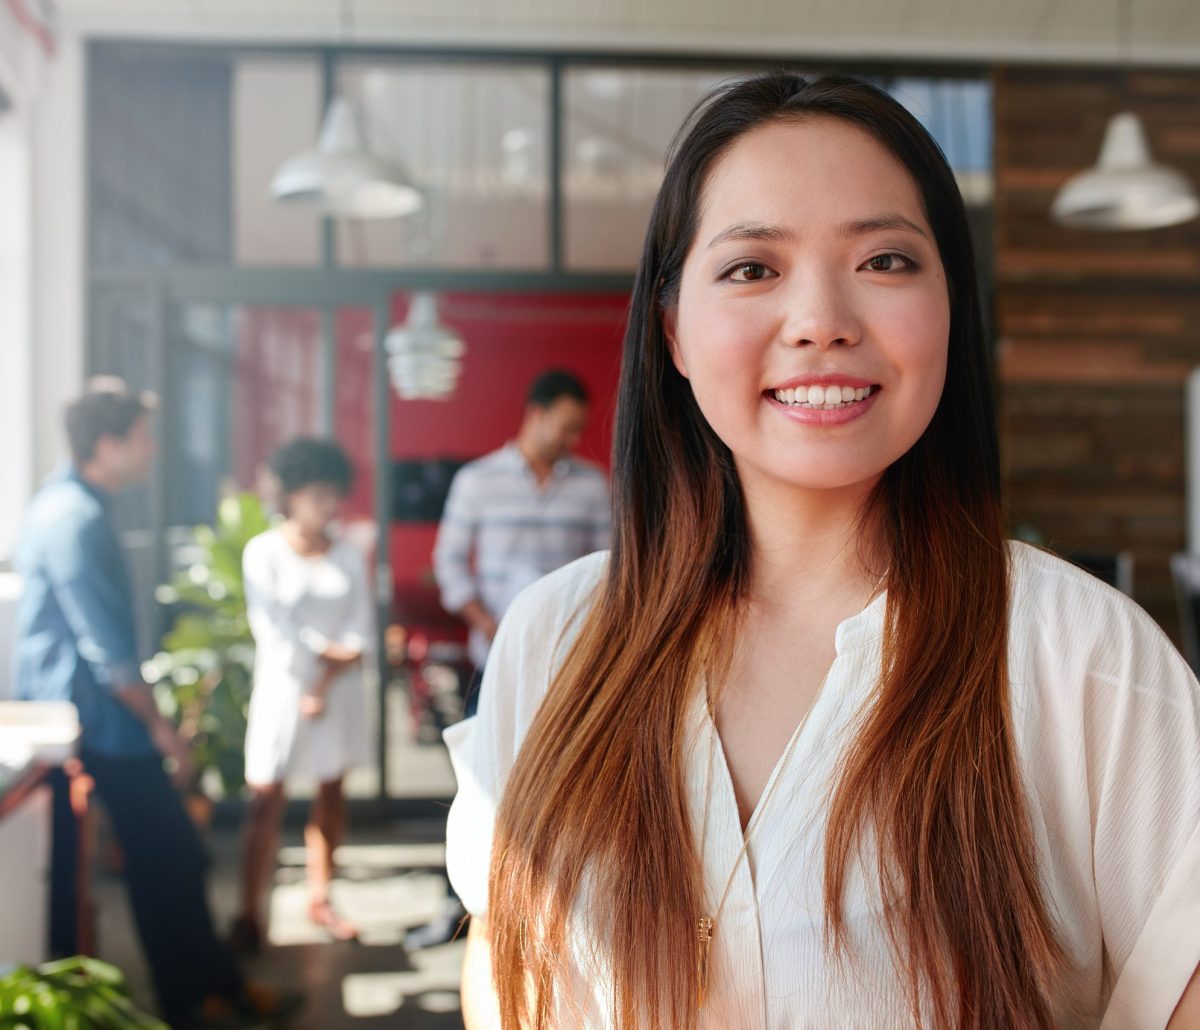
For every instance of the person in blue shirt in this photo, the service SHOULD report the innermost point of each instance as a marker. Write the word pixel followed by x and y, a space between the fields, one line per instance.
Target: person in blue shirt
pixel 76 641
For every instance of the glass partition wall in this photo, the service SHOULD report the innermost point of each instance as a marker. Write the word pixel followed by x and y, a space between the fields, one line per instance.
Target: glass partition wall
pixel 257 322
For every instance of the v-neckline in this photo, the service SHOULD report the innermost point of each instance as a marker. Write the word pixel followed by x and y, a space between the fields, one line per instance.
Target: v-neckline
pixel 850 634
pixel 790 747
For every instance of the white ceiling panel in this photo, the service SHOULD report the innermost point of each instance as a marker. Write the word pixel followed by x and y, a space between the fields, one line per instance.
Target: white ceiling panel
pixel 1163 31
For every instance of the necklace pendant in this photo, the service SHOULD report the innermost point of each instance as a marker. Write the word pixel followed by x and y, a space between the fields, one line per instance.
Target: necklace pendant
pixel 704 930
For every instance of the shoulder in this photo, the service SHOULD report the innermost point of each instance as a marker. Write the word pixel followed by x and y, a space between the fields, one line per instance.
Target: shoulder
pixel 262 548
pixel 477 479
pixel 555 596
pixel 63 505
pixel 498 461
pixel 348 550
pixel 588 472
pixel 1084 655
pixel 1059 604
pixel 534 638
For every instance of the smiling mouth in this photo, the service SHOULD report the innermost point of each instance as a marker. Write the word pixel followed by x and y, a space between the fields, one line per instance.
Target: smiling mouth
pixel 823 398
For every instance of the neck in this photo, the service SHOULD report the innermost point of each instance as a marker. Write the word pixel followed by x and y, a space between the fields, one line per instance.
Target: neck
pixel 304 534
pixel 541 467
pixel 99 477
pixel 809 545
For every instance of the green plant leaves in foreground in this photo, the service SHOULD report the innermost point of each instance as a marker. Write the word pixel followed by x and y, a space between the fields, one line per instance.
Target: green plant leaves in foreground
pixel 202 675
pixel 71 994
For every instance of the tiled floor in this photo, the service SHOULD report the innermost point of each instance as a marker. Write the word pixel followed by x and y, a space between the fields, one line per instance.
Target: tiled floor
pixel 391 880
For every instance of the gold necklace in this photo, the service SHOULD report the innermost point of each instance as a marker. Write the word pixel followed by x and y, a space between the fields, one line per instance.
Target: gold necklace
pixel 706 925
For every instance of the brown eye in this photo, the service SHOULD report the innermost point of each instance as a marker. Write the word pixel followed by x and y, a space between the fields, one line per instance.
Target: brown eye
pixel 748 273
pixel 886 263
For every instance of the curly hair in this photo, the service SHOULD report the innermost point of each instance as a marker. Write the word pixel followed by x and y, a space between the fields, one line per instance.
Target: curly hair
pixel 304 461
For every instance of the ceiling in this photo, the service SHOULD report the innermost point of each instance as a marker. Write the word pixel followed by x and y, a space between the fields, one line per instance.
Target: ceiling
pixel 1162 31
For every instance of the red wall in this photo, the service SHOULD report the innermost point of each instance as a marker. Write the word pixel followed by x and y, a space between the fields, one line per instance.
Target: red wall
pixel 510 339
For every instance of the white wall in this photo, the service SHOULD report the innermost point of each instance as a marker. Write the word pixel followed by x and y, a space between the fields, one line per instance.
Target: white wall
pixel 20 63
pixel 41 260
pixel 16 320
pixel 41 275
pixel 58 249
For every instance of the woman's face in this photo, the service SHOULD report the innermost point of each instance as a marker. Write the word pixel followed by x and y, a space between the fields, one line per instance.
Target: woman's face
pixel 813 316
pixel 314 506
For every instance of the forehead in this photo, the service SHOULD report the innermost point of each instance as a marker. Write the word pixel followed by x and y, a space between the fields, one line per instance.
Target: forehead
pixel 804 173
pixel 318 487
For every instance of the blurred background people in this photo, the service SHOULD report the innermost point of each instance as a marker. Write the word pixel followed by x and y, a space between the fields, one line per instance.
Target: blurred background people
pixel 511 517
pixel 309 603
pixel 520 512
pixel 76 641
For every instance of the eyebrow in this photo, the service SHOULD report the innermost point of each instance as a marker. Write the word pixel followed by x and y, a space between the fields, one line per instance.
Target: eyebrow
pixel 778 234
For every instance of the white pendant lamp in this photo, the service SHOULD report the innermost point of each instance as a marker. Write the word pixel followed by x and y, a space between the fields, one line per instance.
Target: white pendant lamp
pixel 342 177
pixel 1126 189
pixel 424 356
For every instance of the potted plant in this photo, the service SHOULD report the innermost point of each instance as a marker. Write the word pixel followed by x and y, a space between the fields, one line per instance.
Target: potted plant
pixel 72 994
pixel 202 675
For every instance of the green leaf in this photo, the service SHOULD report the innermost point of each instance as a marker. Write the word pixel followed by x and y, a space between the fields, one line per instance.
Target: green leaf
pixel 190 632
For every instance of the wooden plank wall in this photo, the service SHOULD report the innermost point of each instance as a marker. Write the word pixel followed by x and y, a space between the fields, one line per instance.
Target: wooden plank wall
pixel 1097 332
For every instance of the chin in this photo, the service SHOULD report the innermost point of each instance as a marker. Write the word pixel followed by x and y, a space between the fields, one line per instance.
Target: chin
pixel 833 477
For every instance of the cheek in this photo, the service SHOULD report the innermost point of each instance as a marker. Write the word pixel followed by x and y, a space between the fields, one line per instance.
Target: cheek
pixel 722 346
pixel 919 351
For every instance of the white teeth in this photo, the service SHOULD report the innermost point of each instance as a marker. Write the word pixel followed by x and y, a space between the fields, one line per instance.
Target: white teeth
pixel 824 398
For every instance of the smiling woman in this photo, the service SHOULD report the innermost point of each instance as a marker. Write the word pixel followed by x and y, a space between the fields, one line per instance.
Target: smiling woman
pixel 814 745
pixel 837 251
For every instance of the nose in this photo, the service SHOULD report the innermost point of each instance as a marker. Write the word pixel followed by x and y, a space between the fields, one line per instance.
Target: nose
pixel 820 311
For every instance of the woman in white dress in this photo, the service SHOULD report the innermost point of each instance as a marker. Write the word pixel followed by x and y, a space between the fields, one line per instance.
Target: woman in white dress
pixel 813 745
pixel 309 602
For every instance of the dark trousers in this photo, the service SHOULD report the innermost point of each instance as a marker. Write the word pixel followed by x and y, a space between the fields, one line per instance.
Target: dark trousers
pixel 64 868
pixel 165 869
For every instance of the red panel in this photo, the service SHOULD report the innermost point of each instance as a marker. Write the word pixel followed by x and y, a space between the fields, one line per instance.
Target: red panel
pixel 510 340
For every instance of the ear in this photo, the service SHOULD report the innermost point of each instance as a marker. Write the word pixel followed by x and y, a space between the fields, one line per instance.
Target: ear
pixel 668 324
pixel 102 451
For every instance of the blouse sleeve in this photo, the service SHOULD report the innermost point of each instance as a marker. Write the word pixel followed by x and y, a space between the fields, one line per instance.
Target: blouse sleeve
pixel 532 639
pixel 1143 756
pixel 482 751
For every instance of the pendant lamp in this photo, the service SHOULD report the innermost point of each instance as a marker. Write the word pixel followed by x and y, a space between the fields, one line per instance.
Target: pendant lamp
pixel 1125 189
pixel 342 177
pixel 424 356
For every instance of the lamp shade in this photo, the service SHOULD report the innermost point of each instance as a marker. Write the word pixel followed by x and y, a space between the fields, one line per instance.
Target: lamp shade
pixel 342 177
pixel 1125 190
pixel 424 356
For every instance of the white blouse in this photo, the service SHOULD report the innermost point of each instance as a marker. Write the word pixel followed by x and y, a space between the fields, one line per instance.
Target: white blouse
pixel 1106 717
pixel 297 605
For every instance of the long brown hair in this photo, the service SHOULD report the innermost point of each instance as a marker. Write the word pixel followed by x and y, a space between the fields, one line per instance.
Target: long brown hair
pixel 598 794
